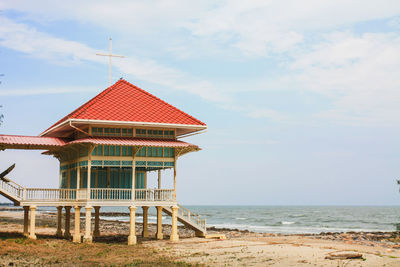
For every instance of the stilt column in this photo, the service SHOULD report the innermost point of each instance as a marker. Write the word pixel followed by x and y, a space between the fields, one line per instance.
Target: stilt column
pixel 67 233
pixel 159 234
pixel 77 228
pixel 145 232
pixel 26 219
pixel 88 237
pixel 174 231
pixel 132 226
pixel 59 219
pixel 96 232
pixel 32 234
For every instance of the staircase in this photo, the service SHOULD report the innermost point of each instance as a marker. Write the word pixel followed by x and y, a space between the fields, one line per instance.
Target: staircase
pixel 11 190
pixel 189 219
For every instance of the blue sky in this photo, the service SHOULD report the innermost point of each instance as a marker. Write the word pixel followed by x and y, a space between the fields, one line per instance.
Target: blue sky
pixel 301 97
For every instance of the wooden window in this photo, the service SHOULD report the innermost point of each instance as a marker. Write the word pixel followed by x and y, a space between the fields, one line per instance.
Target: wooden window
pixel 149 152
pixel 159 152
pixel 142 152
pixel 106 150
pixel 112 150
pixel 127 132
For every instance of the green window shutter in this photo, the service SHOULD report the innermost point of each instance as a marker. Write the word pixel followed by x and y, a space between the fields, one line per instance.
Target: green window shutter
pixel 112 150
pixel 129 151
pixel 94 151
pixel 106 150
pixel 154 151
pixel 123 150
pixel 99 150
pixel 117 150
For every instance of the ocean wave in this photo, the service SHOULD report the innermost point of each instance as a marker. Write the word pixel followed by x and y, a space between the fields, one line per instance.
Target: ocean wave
pixel 287 223
pixel 290 230
pixel 240 218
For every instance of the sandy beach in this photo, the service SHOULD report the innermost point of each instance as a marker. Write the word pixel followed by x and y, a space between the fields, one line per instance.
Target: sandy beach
pixel 240 248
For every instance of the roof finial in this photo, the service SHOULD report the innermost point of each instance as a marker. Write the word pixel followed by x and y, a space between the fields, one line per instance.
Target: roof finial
pixel 110 56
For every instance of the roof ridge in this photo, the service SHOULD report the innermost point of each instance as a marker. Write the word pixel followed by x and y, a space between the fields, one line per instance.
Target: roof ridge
pixel 93 100
pixel 123 90
pixel 144 91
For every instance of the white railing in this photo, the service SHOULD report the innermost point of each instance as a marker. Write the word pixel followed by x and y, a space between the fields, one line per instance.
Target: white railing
pixel 104 194
pixel 12 188
pixel 82 193
pixel 47 194
pixel 110 194
pixel 192 217
pixel 154 194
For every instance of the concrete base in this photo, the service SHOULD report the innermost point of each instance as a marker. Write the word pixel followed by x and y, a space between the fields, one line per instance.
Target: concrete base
pixel 174 238
pixel 96 233
pixel 59 234
pixel 88 239
pixel 199 234
pixel 159 236
pixel 32 236
pixel 132 240
pixel 77 239
pixel 67 235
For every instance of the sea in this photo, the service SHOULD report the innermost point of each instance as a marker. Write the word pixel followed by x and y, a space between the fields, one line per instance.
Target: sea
pixel 280 219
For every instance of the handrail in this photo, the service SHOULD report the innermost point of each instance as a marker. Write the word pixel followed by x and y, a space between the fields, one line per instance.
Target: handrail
pixel 154 194
pixel 14 189
pixel 104 194
pixel 50 194
pixel 192 217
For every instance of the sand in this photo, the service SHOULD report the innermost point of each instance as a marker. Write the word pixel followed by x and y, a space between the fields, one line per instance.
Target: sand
pixel 241 248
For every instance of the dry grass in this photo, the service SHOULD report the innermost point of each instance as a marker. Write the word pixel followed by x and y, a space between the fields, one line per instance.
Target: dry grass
pixel 15 250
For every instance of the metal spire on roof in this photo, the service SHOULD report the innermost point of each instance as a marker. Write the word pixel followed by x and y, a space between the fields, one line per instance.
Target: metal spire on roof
pixel 110 56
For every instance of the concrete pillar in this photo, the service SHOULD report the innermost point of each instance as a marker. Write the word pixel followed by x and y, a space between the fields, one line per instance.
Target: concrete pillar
pixel 88 221
pixel 32 234
pixel 77 228
pixel 78 180
pixel 159 234
pixel 26 218
pixel 133 176
pixel 132 226
pixel 67 233
pixel 175 177
pixel 174 231
pixel 145 232
pixel 96 232
pixel 89 177
pixel 59 219
pixel 159 179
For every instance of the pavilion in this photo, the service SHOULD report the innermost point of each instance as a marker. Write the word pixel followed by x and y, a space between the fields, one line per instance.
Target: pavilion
pixel 106 148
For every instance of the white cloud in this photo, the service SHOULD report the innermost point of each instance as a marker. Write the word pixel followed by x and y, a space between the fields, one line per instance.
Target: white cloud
pixel 311 41
pixel 28 40
pixel 359 73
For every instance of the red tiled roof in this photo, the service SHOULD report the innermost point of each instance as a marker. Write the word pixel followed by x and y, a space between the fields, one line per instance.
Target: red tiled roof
pixel 124 101
pixel 129 141
pixel 34 142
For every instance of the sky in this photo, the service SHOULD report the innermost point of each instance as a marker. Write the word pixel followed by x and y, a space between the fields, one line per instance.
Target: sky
pixel 301 98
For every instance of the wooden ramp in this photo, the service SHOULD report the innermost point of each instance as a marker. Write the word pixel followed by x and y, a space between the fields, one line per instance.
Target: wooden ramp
pixel 190 219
